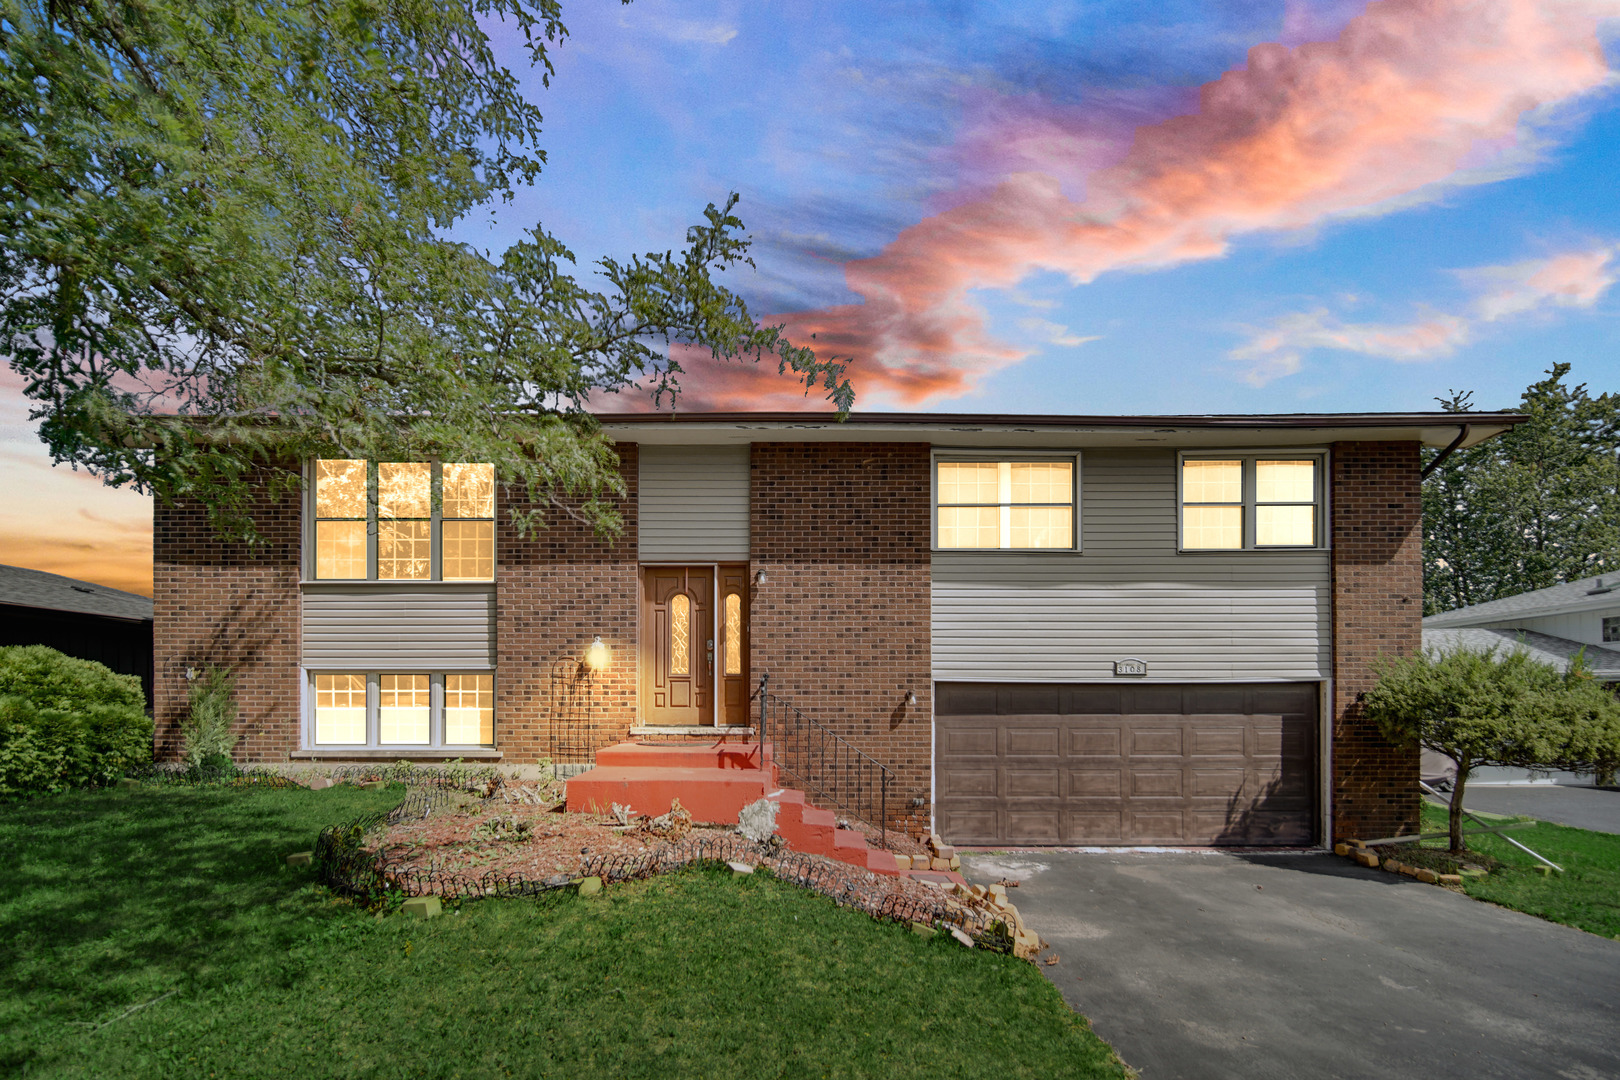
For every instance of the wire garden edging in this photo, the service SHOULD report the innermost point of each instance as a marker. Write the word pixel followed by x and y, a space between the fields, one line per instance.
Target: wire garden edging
pixel 345 865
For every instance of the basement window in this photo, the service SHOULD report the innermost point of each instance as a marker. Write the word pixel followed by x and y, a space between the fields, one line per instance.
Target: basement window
pixel 407 710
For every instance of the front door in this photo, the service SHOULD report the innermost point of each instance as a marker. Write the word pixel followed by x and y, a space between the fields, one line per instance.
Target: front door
pixel 677 645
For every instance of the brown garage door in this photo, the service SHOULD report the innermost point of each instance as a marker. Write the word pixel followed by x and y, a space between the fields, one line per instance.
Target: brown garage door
pixel 1126 764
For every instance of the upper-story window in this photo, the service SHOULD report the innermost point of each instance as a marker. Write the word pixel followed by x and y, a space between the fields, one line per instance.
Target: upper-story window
pixel 1231 502
pixel 377 521
pixel 1023 504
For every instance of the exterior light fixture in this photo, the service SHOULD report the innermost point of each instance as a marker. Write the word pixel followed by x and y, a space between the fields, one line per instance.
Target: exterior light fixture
pixel 911 697
pixel 191 674
pixel 596 657
pixel 759 576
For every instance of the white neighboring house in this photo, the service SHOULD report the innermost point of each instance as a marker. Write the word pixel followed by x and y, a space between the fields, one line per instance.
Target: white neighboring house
pixel 1552 625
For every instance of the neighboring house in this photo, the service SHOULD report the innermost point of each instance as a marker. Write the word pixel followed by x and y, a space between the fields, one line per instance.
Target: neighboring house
pixel 1552 625
pixel 1054 630
pixel 79 618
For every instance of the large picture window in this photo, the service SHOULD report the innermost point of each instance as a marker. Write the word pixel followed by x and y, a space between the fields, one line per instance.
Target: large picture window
pixel 1233 502
pixel 1005 505
pixel 409 710
pixel 379 521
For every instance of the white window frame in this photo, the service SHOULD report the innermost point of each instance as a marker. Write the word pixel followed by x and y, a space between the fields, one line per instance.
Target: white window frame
pixel 435 532
pixel 373 676
pixel 997 456
pixel 1318 455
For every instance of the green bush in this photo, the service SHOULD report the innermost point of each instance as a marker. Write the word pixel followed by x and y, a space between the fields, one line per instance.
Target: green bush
pixel 66 722
pixel 207 730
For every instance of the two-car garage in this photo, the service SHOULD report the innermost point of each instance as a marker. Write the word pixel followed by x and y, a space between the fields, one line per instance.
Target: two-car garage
pixel 1127 764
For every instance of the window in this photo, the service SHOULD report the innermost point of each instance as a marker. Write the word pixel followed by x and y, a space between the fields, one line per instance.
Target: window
pixel 1012 505
pixel 404 709
pixel 1611 628
pixel 378 521
pixel 1229 503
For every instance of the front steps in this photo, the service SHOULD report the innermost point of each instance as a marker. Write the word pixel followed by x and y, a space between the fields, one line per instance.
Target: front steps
pixel 714 781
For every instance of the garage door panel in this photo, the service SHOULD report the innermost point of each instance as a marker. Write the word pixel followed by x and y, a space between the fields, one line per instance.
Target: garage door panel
pixel 1093 826
pixel 1039 742
pixel 1095 742
pixel 1159 742
pixel 1024 783
pixel 1096 783
pixel 1128 764
pixel 968 783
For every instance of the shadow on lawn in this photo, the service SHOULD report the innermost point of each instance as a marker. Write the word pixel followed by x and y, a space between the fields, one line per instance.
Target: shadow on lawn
pixel 151 885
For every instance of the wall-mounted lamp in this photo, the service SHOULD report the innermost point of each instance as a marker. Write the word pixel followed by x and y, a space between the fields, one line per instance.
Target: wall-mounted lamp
pixel 759 576
pixel 911 697
pixel 596 656
pixel 191 674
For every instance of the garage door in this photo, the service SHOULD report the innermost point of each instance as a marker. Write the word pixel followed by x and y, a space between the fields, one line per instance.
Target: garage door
pixel 1123 764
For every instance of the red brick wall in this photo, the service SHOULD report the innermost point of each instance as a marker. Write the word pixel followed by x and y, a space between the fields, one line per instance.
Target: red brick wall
pixel 1377 611
pixel 221 604
pixel 841 624
pixel 556 590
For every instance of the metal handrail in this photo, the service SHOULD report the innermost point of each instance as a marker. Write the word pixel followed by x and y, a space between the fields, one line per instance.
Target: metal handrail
pixel 823 763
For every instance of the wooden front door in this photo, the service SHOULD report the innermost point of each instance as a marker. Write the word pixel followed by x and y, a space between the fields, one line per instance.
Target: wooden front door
pixel 677 645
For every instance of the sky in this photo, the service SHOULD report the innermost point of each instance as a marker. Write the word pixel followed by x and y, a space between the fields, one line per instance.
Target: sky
pixel 1101 207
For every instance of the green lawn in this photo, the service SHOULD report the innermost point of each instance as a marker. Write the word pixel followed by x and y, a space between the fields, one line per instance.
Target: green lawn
pixel 112 899
pixel 1586 895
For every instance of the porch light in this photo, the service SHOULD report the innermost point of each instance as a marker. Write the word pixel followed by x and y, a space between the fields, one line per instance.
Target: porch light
pixel 759 576
pixel 596 657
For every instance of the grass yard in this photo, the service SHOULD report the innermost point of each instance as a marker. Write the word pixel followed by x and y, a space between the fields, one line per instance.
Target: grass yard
pixel 113 899
pixel 1586 895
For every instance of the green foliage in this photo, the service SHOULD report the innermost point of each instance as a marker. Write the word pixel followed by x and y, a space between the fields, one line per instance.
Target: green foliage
pixel 239 212
pixel 66 722
pixel 49 750
pixel 117 898
pixel 206 730
pixel 1484 707
pixel 52 680
pixel 1532 508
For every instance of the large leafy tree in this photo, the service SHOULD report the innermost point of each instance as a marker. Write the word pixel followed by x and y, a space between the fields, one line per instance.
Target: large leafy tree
pixel 1536 507
pixel 237 212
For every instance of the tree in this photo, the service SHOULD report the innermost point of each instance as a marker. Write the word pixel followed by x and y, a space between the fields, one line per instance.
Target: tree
pixel 236 214
pixel 1479 707
pixel 1535 507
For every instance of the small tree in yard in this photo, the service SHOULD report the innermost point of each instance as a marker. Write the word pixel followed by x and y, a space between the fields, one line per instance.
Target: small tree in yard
pixel 1480 708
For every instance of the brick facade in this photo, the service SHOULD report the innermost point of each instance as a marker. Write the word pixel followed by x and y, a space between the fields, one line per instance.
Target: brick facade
pixel 555 591
pixel 221 604
pixel 1377 611
pixel 842 623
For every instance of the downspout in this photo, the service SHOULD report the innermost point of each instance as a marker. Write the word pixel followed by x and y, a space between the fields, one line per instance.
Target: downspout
pixel 1462 434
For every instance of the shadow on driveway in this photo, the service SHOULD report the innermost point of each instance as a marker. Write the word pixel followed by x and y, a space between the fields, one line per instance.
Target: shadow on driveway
pixel 1211 965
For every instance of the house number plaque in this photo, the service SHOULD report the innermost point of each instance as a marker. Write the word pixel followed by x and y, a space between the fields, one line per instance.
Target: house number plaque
pixel 1130 666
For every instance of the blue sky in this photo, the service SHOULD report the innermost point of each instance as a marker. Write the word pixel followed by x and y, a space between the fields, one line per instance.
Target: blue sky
pixel 1072 207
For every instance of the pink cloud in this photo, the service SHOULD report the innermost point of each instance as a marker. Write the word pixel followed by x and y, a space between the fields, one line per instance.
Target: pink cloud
pixel 1570 279
pixel 1400 103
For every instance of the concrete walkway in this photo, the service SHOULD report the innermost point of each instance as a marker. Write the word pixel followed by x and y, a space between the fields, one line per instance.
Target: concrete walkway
pixel 1582 807
pixel 1207 966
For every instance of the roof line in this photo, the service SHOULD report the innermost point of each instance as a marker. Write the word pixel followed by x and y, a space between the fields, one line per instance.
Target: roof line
pixel 1253 420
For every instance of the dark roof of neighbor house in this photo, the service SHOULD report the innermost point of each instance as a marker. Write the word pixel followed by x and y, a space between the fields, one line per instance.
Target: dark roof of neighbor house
pixel 1605 663
pixel 1432 429
pixel 1582 595
pixel 22 587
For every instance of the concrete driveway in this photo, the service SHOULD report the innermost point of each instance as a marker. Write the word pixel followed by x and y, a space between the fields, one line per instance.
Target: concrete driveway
pixel 1206 966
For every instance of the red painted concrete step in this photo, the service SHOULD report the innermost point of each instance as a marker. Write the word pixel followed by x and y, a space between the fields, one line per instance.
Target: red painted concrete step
pixel 714 782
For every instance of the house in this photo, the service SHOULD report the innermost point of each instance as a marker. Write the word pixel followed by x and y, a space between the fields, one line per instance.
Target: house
pixel 1048 629
pixel 1553 625
pixel 79 618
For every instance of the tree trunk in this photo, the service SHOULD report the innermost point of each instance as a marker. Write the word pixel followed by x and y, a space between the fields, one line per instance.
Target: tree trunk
pixel 1458 844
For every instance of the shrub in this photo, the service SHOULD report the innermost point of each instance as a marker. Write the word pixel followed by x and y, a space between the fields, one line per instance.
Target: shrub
pixel 48 679
pixel 206 731
pixel 47 750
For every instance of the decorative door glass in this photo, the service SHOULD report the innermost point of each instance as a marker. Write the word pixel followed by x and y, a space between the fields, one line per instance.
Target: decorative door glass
pixel 733 634
pixel 680 634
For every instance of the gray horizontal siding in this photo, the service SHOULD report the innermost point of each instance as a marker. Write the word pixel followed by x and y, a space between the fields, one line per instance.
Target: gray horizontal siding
pixel 1585 626
pixel 1233 616
pixel 399 629
pixel 693 503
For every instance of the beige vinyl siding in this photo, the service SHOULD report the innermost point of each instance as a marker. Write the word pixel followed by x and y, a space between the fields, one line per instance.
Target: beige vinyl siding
pixel 1064 617
pixel 1584 626
pixel 399 629
pixel 693 503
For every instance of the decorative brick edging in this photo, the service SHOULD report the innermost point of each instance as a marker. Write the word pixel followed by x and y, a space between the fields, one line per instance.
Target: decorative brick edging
pixel 1362 855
